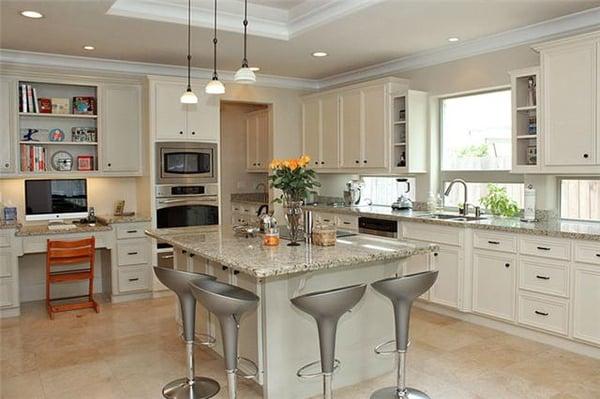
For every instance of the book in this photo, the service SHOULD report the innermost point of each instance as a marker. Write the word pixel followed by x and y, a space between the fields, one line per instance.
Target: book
pixel 30 99
pixel 24 98
pixel 35 101
pixel 45 105
pixel 60 105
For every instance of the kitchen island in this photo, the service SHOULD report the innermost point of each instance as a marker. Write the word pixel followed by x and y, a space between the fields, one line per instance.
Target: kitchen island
pixel 278 337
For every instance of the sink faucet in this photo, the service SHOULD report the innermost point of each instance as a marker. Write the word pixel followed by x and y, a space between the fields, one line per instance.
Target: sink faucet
pixel 465 209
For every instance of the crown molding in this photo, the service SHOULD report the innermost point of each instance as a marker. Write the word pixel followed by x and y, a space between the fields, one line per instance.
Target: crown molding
pixel 545 30
pixel 17 58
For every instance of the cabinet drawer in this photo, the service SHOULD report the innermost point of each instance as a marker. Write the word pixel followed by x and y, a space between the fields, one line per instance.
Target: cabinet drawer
pixel 546 247
pixel 134 230
pixel 347 222
pixel 133 278
pixel 587 252
pixel 5 238
pixel 433 233
pixel 38 244
pixel 544 276
pixel 495 241
pixel 235 207
pixel 328 218
pixel 132 252
pixel 542 312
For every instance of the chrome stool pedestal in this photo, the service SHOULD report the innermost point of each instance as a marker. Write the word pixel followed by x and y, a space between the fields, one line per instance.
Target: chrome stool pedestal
pixel 189 387
pixel 402 291
pixel 228 303
pixel 326 307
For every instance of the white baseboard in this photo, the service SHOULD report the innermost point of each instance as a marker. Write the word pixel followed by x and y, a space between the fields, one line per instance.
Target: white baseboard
pixel 10 312
pixel 131 297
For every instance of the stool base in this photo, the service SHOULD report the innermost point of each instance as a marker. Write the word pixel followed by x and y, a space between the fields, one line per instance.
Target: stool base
pixel 392 393
pixel 201 388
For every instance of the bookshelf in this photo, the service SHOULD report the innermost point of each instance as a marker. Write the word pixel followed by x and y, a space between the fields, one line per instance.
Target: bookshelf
pixel 525 117
pixel 62 123
pixel 409 122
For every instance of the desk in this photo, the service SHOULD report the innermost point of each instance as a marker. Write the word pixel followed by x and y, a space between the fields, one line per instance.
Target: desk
pixel 126 251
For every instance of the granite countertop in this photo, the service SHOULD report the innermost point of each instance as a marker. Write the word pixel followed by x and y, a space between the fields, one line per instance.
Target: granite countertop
pixel 42 229
pixel 251 198
pixel 112 219
pixel 249 256
pixel 4 225
pixel 552 228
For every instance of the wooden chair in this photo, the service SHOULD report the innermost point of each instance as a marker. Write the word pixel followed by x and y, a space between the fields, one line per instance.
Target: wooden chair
pixel 62 253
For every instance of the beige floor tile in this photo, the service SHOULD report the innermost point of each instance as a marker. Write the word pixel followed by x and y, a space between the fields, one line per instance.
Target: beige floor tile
pixel 26 385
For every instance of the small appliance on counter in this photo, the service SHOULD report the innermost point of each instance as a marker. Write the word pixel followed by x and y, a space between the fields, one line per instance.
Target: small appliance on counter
pixel 353 191
pixel 529 205
pixel 403 202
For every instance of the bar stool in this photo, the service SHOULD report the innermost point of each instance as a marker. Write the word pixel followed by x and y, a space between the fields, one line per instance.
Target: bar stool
pixel 327 307
pixel 228 303
pixel 191 387
pixel 402 291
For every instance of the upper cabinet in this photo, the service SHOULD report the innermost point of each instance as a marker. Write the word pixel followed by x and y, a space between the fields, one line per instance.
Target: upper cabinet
pixel 525 112
pixel 570 71
pixel 8 88
pixel 184 122
pixel 351 128
pixel 257 141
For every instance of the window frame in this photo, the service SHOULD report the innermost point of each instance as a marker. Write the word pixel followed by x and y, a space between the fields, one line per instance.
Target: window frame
pixel 560 199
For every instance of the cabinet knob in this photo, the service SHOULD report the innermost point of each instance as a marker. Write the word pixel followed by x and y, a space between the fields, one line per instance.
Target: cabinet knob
pixel 225 268
pixel 365 161
pixel 109 164
pixel 236 272
pixel 586 156
pixel 7 165
pixel 322 162
pixel 316 162
pixel 258 164
pixel 181 132
pixel 507 265
pixel 356 161
pixel 193 133
pixel 435 254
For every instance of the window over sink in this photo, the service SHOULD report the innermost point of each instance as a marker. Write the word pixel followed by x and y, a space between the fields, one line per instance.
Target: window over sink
pixel 385 190
pixel 580 199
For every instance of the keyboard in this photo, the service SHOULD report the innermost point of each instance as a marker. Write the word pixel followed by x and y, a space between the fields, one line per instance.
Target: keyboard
pixel 61 226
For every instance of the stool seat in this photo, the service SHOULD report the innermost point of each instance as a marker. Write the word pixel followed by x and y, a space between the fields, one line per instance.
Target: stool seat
pixel 406 288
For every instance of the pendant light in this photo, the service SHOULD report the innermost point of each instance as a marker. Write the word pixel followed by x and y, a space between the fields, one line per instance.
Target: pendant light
pixel 245 75
pixel 215 86
pixel 189 97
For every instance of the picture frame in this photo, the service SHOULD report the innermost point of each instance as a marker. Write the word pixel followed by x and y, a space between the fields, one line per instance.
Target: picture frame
pixel 119 207
pixel 60 105
pixel 84 105
pixel 85 162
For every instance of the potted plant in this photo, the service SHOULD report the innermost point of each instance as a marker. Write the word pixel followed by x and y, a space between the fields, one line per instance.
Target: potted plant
pixel 295 181
pixel 498 202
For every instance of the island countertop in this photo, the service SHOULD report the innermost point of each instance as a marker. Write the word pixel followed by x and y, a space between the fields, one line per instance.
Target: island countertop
pixel 249 256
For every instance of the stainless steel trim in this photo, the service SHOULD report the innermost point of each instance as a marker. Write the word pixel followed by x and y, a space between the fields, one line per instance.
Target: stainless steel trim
pixel 162 203
pixel 164 190
pixel 379 233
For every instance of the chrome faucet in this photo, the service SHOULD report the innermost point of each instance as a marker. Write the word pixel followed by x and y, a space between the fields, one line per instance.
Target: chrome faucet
pixel 465 209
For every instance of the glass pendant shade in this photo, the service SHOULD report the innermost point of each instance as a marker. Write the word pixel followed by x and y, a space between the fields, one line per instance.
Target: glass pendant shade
pixel 215 87
pixel 189 97
pixel 245 75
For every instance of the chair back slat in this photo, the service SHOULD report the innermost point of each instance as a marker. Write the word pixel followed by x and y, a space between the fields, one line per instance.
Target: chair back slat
pixel 64 254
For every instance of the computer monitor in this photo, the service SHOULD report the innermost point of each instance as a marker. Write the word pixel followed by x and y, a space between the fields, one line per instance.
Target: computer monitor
pixel 55 199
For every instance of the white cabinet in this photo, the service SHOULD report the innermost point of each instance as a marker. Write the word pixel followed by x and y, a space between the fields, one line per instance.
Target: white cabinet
pixel 131 269
pixel 8 89
pixel 320 125
pixel 175 121
pixel 122 127
pixel 586 297
pixel 446 290
pixel 257 140
pixel 494 284
pixel 350 128
pixel 409 132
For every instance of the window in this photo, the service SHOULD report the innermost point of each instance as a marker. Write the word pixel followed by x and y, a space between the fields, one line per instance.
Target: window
pixel 385 190
pixel 475 191
pixel 580 199
pixel 476 132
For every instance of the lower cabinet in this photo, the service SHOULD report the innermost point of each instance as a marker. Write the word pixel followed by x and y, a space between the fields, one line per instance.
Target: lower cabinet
pixel 494 284
pixel 586 299
pixel 446 290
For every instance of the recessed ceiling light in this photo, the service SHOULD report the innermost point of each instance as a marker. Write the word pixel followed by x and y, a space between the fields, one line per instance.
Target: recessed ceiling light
pixel 89 48
pixel 319 54
pixel 254 69
pixel 453 39
pixel 32 14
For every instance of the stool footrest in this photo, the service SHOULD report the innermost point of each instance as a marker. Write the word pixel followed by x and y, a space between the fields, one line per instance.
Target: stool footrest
pixel 380 351
pixel 302 371
pixel 201 339
pixel 252 365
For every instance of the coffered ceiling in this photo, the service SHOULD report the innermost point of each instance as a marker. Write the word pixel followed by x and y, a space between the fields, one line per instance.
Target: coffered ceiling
pixel 356 33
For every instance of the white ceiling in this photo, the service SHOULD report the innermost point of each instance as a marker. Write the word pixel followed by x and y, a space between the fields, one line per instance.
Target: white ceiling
pixel 356 33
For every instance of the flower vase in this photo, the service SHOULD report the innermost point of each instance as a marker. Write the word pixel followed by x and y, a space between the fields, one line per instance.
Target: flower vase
pixel 293 215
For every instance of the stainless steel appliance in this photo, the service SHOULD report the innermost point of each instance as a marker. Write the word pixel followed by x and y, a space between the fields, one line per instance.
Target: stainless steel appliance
pixel 186 163
pixel 403 202
pixel 184 206
pixel 378 227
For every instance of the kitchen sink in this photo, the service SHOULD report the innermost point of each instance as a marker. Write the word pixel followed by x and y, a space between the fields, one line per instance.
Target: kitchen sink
pixel 458 218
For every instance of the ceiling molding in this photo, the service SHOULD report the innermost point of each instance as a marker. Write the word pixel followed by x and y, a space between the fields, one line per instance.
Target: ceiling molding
pixel 545 30
pixel 79 64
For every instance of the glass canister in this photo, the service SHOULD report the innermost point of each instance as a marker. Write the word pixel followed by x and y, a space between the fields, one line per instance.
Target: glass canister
pixel 271 229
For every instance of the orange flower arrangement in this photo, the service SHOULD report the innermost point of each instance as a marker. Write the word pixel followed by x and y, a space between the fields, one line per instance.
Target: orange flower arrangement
pixel 293 178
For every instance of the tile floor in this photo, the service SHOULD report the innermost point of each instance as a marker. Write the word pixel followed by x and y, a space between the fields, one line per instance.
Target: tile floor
pixel 131 350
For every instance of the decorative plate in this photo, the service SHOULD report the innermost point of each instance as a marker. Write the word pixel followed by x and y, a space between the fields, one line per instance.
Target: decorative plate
pixel 62 161
pixel 56 134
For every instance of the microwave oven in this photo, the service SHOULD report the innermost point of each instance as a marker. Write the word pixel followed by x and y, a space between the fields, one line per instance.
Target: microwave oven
pixel 186 163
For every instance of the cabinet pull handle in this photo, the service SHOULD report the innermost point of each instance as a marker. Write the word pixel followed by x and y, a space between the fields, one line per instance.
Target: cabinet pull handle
pixel 192 255
pixel 132 253
pixel 507 265
pixel 131 231
pixel 346 222
pixel 133 279
pixel 598 255
pixel 543 248
pixel 236 272
pixel 494 242
pixel 542 277
pixel 183 251
pixel 225 268
pixel 541 313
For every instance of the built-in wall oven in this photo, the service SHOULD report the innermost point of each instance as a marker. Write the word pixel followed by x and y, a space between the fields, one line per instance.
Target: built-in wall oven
pixel 184 206
pixel 186 163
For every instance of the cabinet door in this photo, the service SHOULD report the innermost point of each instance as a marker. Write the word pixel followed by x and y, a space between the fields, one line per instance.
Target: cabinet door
pixel 586 297
pixel 374 135
pixel 329 131
pixel 447 261
pixel 494 284
pixel 350 128
pixel 569 105
pixel 8 89
pixel 169 114
pixel 203 118
pixel 262 140
pixel 121 137
pixel 311 121
pixel 251 142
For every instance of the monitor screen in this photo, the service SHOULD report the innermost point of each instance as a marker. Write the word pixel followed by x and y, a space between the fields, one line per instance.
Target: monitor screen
pixel 55 198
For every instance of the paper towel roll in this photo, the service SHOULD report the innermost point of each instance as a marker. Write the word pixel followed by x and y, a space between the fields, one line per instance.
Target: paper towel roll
pixel 529 204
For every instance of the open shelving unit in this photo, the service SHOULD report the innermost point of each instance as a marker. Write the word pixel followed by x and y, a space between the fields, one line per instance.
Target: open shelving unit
pixel 408 131
pixel 35 156
pixel 525 117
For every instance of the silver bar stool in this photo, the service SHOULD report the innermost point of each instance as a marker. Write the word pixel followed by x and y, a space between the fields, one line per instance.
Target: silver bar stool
pixel 327 307
pixel 228 303
pixel 402 291
pixel 191 387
